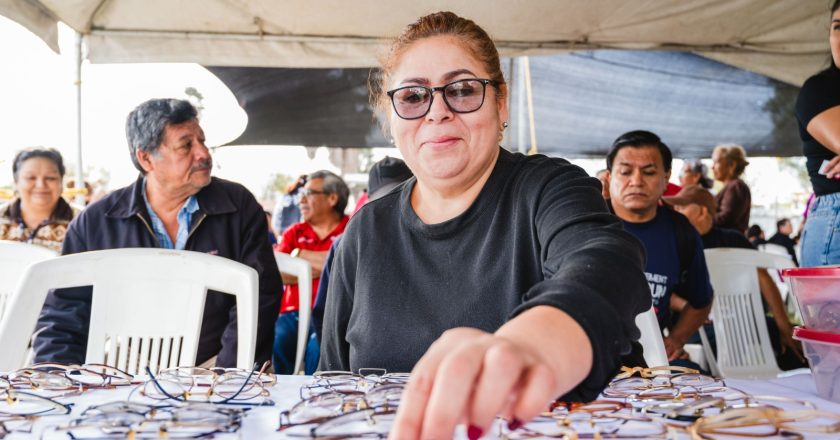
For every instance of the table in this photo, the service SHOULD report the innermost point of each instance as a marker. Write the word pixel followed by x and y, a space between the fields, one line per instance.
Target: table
pixel 261 422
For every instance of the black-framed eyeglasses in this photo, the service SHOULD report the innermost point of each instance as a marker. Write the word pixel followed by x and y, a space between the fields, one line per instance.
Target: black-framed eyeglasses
pixel 462 96
pixel 232 386
pixel 306 192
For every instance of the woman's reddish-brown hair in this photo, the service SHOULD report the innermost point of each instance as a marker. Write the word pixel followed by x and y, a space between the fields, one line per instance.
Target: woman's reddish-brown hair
pixel 465 31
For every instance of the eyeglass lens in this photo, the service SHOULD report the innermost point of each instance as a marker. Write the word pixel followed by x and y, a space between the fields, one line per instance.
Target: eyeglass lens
pixel 464 96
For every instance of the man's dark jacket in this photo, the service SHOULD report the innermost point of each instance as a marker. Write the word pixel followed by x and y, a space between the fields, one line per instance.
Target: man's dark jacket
pixel 229 223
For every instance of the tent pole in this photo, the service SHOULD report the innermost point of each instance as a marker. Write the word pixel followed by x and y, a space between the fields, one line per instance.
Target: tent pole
pixel 533 128
pixel 520 106
pixel 80 180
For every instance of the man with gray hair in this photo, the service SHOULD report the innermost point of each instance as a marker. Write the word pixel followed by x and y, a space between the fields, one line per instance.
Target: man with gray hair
pixel 322 203
pixel 173 204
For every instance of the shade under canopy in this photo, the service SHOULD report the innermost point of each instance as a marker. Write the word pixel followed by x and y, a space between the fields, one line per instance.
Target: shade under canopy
pixel 582 101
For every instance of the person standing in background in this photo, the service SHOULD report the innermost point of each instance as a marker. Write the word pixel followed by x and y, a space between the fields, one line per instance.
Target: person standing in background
pixel 734 200
pixel 818 115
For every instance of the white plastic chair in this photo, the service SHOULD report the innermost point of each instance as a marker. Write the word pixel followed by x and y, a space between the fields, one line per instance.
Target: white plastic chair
pixel 775 249
pixel 15 257
pixel 651 340
pixel 146 309
pixel 743 344
pixel 303 271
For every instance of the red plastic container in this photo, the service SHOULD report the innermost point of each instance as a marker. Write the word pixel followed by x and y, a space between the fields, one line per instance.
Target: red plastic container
pixel 823 352
pixel 817 292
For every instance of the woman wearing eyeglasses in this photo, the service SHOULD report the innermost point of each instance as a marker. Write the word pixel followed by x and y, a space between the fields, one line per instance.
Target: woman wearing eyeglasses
pixel 499 280
pixel 38 214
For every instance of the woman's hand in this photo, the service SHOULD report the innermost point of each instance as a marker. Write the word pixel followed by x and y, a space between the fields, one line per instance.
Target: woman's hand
pixel 832 168
pixel 470 376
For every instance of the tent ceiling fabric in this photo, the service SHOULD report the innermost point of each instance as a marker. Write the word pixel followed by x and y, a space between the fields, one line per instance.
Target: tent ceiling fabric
pixel 582 102
pixel 32 16
pixel 338 33
pixel 311 107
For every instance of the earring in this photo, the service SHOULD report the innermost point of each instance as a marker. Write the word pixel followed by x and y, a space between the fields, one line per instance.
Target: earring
pixel 391 141
pixel 504 125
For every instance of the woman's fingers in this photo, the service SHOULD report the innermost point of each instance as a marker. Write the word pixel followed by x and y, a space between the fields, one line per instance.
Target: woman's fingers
pixel 496 390
pixel 409 422
pixel 833 167
pixel 471 376
pixel 453 388
pixel 538 391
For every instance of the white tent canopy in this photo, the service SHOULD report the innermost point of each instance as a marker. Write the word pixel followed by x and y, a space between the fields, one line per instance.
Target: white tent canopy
pixel 783 39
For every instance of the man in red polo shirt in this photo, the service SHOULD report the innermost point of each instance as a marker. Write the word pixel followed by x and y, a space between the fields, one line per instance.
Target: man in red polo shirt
pixel 322 203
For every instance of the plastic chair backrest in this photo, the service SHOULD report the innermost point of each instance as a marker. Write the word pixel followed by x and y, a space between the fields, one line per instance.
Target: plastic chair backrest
pixel 743 344
pixel 651 340
pixel 775 249
pixel 15 257
pixel 146 309
pixel 303 271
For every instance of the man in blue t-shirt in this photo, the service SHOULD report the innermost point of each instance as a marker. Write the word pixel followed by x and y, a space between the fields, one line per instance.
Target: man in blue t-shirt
pixel 639 165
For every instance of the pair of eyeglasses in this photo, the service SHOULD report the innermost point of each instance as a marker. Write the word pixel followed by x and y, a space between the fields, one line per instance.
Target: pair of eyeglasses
pixel 56 376
pixel 346 381
pixel 592 426
pixel 462 96
pixel 365 423
pixel 135 420
pixel 598 407
pixel 15 403
pixel 322 407
pixel 233 387
pixel 307 192
pixel 764 422
pixel 199 376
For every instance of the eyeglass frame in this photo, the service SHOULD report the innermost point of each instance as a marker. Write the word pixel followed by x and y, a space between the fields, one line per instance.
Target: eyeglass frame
pixel 780 421
pixel 351 401
pixel 24 376
pixel 342 420
pixel 484 82
pixel 307 192
pixel 51 404
pixel 148 414
pixel 227 400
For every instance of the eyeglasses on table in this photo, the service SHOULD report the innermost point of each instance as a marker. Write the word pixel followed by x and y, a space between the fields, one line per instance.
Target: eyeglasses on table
pixel 228 386
pixel 125 419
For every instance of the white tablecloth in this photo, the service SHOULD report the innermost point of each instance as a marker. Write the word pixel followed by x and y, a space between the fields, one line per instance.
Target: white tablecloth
pixel 261 422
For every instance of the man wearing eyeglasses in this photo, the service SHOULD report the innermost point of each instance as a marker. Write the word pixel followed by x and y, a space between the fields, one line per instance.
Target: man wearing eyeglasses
pixel 322 203
pixel 173 204
pixel 639 165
